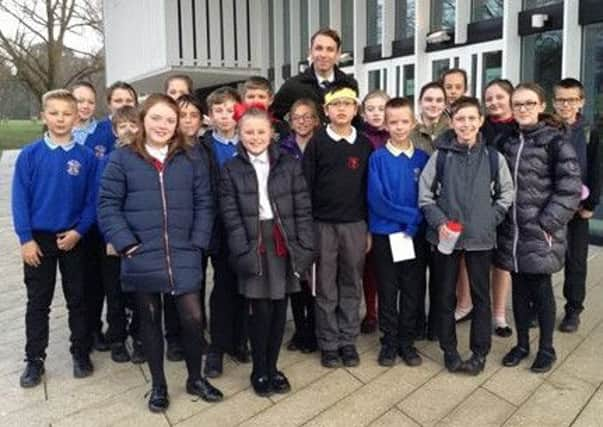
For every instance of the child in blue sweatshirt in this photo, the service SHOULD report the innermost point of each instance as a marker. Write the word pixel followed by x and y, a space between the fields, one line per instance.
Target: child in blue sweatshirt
pixel 53 207
pixel 393 188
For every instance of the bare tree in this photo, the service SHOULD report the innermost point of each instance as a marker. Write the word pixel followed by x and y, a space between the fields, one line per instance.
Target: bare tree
pixel 38 48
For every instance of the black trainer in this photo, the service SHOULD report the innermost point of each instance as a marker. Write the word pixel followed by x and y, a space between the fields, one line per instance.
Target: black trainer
pixel 349 356
pixel 213 365
pixel 204 390
pixel 330 359
pixel 570 322
pixel 515 356
pixel 474 365
pixel 545 359
pixel 453 362
pixel 137 355
pixel 32 375
pixel 387 355
pixel 159 400
pixel 410 356
pixel 82 366
pixel 119 353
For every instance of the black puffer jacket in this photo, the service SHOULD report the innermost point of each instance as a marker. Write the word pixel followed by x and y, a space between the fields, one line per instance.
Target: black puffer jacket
pixel 547 182
pixel 290 200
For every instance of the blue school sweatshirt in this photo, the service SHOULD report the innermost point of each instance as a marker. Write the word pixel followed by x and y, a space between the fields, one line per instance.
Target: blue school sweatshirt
pixel 393 191
pixel 53 189
pixel 224 149
pixel 102 140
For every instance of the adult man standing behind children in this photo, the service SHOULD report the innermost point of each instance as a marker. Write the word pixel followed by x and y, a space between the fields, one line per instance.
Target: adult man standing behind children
pixel 335 165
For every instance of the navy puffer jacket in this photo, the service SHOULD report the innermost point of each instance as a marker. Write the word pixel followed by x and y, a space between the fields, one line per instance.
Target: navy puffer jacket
pixel 291 205
pixel 169 214
pixel 546 174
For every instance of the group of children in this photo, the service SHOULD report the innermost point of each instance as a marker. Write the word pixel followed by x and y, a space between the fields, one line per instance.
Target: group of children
pixel 134 206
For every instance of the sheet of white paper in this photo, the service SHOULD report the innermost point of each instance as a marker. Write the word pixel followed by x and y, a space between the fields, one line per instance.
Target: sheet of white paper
pixel 313 279
pixel 402 247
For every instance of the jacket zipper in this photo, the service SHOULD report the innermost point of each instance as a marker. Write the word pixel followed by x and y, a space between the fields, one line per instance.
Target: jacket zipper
pixel 515 225
pixel 166 240
pixel 259 238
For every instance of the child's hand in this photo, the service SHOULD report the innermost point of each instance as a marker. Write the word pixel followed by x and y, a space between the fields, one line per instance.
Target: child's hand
pixel 369 243
pixel 31 253
pixel 67 240
pixel 585 214
pixel 111 250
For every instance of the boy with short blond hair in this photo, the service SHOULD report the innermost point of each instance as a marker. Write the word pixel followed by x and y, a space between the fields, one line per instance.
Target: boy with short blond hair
pixel 53 207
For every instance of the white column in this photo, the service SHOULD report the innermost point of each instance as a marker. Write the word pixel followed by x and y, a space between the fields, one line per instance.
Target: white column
pixel 388 35
pixel 462 17
pixel 335 15
pixel 215 35
pixel 511 55
pixel 359 43
pixel 313 17
pixel 201 27
pixel 171 33
pixel 422 64
pixel 571 41
pixel 259 39
pixel 294 34
pixel 228 37
pixel 279 41
pixel 186 26
pixel 242 47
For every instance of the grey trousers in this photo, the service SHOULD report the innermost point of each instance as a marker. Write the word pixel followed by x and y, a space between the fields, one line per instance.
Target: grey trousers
pixel 339 283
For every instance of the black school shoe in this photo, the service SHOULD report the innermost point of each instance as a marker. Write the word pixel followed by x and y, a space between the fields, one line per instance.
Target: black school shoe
pixel 279 383
pixel 262 386
pixel 137 356
pixel 175 352
pixel 545 359
pixel 309 345
pixel 99 343
pixel 410 356
pixel 32 375
pixel 474 365
pixel 82 366
pixel 213 365
pixel 349 356
pixel 330 359
pixel 515 356
pixel 453 362
pixel 119 353
pixel 159 400
pixel 242 354
pixel 503 331
pixel 387 355
pixel 570 323
pixel 204 390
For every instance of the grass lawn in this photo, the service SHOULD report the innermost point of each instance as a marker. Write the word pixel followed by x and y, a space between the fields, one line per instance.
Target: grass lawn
pixel 17 133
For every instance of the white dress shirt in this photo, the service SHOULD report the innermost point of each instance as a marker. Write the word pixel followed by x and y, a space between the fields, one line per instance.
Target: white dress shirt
pixel 261 164
pixel 157 153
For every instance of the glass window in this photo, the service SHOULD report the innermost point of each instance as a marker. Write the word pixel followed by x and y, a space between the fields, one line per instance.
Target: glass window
pixel 592 72
pixel 409 82
pixel 271 34
pixel 374 22
pixel 483 10
pixel 491 66
pixel 304 41
pixel 438 67
pixel 405 19
pixel 541 59
pixel 287 33
pixel 347 26
pixel 323 13
pixel 473 80
pixel 374 80
pixel 398 81
pixel 531 4
pixel 384 79
pixel 442 14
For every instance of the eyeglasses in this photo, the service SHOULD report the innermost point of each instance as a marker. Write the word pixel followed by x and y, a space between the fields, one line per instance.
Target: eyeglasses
pixel 527 106
pixel 568 101
pixel 302 117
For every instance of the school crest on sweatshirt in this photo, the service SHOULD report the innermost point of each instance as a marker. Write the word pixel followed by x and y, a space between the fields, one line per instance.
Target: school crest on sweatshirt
pixel 73 167
pixel 100 151
pixel 353 162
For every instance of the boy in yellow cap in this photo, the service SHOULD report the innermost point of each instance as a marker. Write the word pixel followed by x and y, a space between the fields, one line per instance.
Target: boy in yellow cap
pixel 335 165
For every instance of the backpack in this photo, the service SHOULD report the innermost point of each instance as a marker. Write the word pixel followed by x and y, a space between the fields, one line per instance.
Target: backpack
pixel 493 159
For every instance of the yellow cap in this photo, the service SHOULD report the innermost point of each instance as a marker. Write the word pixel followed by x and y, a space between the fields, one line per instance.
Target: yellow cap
pixel 345 92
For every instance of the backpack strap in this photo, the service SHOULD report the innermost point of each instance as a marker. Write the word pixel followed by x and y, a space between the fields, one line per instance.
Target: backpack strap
pixel 493 159
pixel 441 157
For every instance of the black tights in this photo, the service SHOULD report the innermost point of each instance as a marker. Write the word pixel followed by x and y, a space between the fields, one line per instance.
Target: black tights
pixel 266 329
pixel 189 312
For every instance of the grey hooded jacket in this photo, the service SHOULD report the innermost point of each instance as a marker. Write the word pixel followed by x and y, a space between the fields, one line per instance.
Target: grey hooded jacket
pixel 465 193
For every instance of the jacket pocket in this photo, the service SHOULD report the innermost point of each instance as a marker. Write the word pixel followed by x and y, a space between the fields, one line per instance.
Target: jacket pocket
pixel 246 264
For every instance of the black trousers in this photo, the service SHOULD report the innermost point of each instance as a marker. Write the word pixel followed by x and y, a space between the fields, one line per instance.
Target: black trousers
pixel 302 307
pixel 533 293
pixel 446 269
pixel 189 310
pixel 228 309
pixel 427 318
pixel 116 300
pixel 266 329
pixel 398 286
pixel 94 248
pixel 574 285
pixel 40 282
